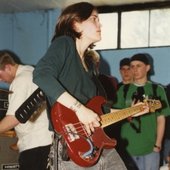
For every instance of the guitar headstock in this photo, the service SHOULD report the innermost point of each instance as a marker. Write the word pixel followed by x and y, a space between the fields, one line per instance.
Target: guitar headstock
pixel 153 104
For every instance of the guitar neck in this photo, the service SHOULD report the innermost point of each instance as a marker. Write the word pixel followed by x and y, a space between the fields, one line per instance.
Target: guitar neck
pixel 110 118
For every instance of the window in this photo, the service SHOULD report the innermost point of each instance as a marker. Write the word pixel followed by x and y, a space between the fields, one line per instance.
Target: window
pixel 159 27
pixel 108 31
pixel 135 28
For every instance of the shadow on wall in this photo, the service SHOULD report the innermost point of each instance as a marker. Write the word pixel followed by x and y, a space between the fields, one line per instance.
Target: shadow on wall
pixel 104 67
pixel 151 61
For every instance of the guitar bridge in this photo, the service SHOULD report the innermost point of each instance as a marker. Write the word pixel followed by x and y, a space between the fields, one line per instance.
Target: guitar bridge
pixel 71 132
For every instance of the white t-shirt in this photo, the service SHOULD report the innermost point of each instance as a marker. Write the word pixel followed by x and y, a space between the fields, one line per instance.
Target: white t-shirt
pixel 165 167
pixel 30 134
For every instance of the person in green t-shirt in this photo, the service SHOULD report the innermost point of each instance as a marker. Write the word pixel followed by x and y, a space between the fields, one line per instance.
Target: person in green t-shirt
pixel 125 72
pixel 143 135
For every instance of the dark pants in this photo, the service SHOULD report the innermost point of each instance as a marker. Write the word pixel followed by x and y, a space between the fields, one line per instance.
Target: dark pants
pixel 34 159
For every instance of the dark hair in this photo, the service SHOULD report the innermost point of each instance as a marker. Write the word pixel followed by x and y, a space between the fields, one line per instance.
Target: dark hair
pixel 124 62
pixel 77 12
pixel 8 57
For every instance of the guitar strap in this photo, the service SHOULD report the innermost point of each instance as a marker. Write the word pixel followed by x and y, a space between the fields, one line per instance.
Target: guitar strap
pixel 32 107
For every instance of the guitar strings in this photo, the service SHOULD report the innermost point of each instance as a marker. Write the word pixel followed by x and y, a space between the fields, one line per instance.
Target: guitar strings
pixel 80 129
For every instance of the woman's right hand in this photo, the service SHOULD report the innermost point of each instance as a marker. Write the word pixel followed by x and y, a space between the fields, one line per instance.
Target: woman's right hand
pixel 89 118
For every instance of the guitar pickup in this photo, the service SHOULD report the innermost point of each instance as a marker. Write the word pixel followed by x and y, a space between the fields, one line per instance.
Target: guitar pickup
pixel 71 132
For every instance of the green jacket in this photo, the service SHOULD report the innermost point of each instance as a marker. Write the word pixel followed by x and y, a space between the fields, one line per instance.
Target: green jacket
pixel 61 70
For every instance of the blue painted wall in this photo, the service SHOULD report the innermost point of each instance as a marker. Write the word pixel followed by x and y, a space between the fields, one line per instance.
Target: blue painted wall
pixel 161 62
pixel 29 34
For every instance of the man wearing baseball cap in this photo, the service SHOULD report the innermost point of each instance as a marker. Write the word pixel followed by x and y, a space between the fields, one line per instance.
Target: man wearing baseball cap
pixel 143 134
pixel 125 71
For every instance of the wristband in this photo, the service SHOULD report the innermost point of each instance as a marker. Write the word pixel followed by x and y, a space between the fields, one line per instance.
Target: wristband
pixel 76 106
pixel 156 146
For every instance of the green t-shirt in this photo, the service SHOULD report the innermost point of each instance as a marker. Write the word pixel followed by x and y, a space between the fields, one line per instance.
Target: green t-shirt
pixel 140 133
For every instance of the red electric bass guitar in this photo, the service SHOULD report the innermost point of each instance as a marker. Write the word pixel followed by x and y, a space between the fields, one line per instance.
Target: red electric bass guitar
pixel 83 149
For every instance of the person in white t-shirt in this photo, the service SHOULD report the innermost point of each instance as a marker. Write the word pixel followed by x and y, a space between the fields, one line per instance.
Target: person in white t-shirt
pixel 34 137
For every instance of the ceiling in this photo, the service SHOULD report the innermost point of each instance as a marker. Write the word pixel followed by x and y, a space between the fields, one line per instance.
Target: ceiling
pixel 10 6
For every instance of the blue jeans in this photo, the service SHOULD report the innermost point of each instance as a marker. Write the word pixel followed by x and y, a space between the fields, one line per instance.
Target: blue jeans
pixel 166 150
pixel 148 162
pixel 109 160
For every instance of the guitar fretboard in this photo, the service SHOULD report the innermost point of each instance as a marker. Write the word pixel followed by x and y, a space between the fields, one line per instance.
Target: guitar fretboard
pixel 110 118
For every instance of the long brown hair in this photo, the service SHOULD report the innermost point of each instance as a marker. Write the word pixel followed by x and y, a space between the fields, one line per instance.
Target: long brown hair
pixel 77 12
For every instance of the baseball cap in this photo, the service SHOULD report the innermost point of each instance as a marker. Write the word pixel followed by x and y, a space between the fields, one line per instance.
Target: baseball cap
pixel 124 62
pixel 140 57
